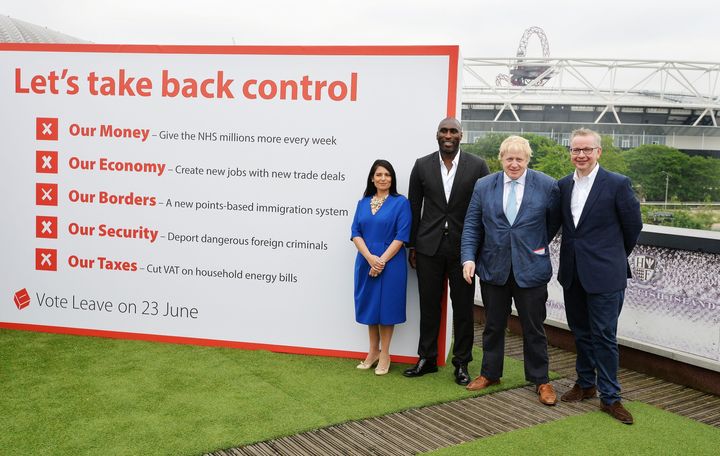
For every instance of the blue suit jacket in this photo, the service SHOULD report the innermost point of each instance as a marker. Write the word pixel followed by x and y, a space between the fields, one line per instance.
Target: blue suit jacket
pixel 606 233
pixel 495 246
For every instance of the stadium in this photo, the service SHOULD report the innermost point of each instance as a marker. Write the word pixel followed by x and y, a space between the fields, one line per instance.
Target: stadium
pixel 635 102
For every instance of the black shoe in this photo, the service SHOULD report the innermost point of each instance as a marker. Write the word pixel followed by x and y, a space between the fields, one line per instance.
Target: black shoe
pixel 423 366
pixel 462 376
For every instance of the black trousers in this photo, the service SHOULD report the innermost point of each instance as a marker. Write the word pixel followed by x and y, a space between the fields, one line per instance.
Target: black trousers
pixel 431 271
pixel 530 304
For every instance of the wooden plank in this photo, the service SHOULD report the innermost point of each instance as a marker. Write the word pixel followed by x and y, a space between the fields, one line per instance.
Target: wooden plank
pixel 429 428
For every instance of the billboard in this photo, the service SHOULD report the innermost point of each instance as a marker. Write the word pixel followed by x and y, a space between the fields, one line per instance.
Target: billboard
pixel 204 194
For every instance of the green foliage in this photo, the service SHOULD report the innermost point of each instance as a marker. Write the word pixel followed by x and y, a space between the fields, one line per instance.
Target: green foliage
pixel 555 163
pixel 683 219
pixel 541 146
pixel 652 166
pixel 698 219
pixel 488 146
pixel 701 179
pixel 612 157
pixel 494 165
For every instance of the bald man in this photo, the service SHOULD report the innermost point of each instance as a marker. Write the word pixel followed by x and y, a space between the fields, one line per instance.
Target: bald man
pixel 441 185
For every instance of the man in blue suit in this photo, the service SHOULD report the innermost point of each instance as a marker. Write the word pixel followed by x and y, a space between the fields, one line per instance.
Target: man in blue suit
pixel 512 217
pixel 601 223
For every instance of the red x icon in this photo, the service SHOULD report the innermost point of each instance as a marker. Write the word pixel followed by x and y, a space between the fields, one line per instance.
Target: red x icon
pixel 46 128
pixel 46 259
pixel 46 194
pixel 46 161
pixel 46 227
pixel 22 299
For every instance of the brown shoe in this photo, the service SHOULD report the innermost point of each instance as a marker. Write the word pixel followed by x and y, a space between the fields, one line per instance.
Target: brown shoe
pixel 577 394
pixel 617 411
pixel 481 383
pixel 546 394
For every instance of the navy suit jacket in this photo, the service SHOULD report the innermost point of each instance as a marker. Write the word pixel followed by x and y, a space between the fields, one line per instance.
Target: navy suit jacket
pixel 606 234
pixel 496 246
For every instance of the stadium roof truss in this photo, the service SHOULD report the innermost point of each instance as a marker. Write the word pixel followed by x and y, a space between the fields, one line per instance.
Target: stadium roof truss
pixel 601 85
pixel 16 31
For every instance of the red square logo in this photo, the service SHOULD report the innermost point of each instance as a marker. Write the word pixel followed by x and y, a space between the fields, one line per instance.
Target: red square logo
pixel 46 227
pixel 46 259
pixel 46 128
pixel 46 161
pixel 46 194
pixel 22 299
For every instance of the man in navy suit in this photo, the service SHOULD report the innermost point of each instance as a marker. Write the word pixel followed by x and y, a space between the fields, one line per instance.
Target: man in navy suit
pixel 512 217
pixel 600 226
pixel 441 184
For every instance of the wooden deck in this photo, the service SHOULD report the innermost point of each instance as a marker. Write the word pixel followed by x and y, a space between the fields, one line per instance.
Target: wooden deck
pixel 688 402
pixel 430 428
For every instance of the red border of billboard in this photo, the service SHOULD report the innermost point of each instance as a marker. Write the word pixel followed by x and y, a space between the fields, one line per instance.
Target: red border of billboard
pixel 452 52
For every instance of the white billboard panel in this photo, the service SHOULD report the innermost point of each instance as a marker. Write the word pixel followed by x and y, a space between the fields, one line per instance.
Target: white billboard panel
pixel 204 194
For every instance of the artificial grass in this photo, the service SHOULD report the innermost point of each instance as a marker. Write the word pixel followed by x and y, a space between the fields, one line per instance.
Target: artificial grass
pixel 655 432
pixel 71 395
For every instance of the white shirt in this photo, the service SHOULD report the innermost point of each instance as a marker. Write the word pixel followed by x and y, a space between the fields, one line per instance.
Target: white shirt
pixel 448 176
pixel 580 192
pixel 519 189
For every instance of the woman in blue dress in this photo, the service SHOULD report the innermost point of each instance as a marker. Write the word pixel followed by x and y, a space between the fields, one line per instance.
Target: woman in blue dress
pixel 380 228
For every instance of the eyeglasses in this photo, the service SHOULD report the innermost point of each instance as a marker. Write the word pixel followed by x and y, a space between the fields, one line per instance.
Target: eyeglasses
pixel 586 151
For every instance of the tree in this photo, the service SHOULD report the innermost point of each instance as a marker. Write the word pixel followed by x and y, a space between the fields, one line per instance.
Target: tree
pixel 649 165
pixel 488 147
pixel 612 157
pixel 687 178
pixel 555 163
pixel 541 146
pixel 702 179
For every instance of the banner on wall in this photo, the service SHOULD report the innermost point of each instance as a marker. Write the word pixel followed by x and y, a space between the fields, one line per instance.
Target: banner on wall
pixel 671 307
pixel 672 304
pixel 204 194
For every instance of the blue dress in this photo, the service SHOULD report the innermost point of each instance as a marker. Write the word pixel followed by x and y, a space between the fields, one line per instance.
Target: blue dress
pixel 381 300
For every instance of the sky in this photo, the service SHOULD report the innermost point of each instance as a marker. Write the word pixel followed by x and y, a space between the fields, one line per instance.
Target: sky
pixel 630 29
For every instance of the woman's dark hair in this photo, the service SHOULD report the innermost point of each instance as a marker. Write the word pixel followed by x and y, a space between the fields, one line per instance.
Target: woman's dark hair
pixel 370 189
